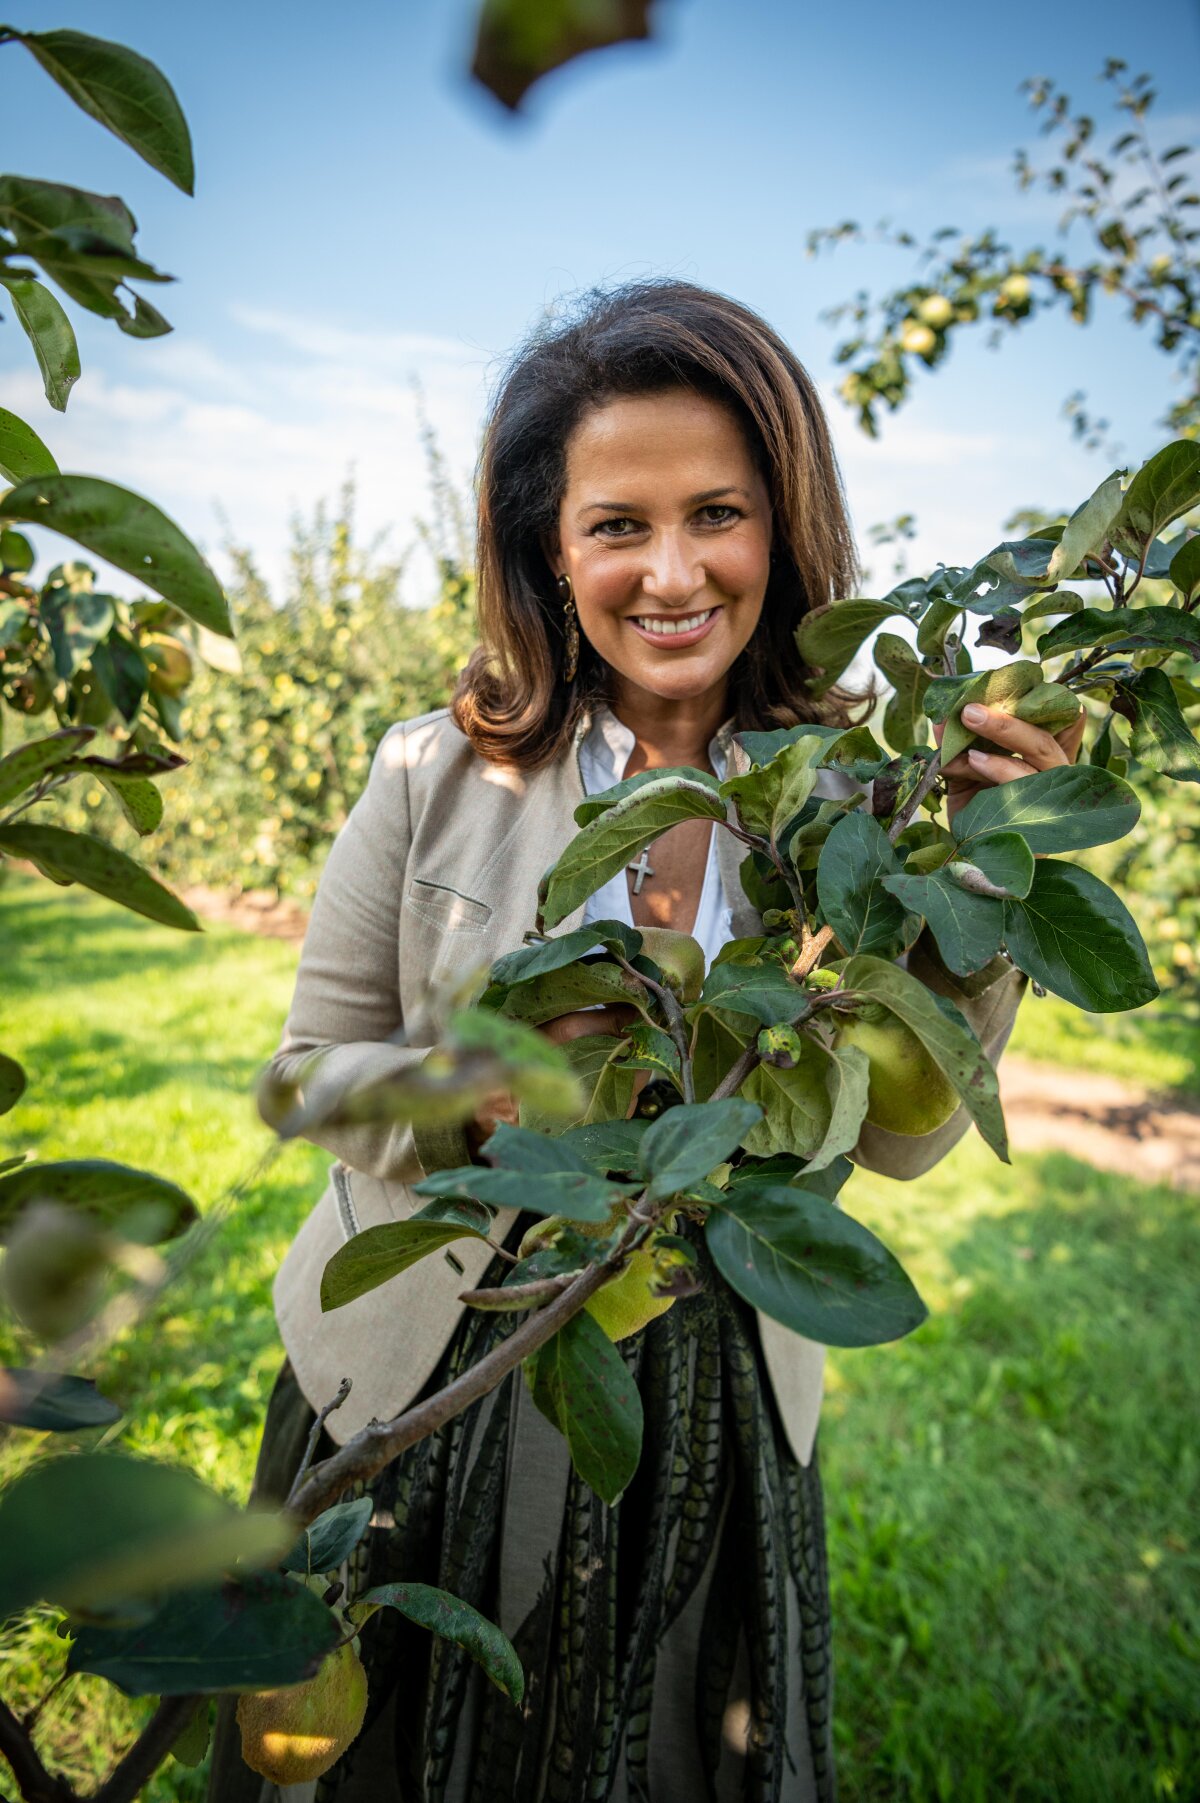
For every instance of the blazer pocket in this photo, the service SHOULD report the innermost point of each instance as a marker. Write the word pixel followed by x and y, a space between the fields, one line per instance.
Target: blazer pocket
pixel 445 908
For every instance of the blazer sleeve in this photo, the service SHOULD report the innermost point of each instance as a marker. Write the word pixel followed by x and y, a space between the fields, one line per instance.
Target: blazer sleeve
pixel 988 1001
pixel 345 1013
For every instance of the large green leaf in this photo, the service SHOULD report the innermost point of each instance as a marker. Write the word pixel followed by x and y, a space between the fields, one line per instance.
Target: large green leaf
pixel 583 985
pixel 557 1183
pixel 997 688
pixel 519 41
pixel 799 1259
pixel 764 991
pixel 22 452
pixel 607 844
pixel 1185 567
pixel 53 1403
pixel 455 1621
pixel 49 331
pixel 1165 487
pixel 84 242
pixel 854 860
pixel 967 927
pixel 1161 737
pixel 768 798
pixel 1087 529
pixel 1124 629
pixel 944 1034
pixel 795 1103
pixel 1074 936
pixel 124 92
pixel 332 1537
pixel 905 711
pixel 847 1078
pixel 687 1142
pixel 251 1634
pixel 67 857
pixel 592 806
pixel 606 1084
pixel 829 637
pixel 583 1386
pixel 529 962
pixel 1066 808
pixel 93 1528
pixel 30 762
pixel 129 532
pixel 136 1203
pixel 379 1253
pixel 996 864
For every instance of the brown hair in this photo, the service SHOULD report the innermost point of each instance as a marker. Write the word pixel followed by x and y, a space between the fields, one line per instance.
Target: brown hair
pixel 511 700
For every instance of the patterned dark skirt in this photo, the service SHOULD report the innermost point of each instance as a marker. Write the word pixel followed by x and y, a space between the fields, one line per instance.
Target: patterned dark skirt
pixel 675 1646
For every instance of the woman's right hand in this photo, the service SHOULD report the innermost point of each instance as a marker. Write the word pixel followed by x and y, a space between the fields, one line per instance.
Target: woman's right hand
pixel 501 1106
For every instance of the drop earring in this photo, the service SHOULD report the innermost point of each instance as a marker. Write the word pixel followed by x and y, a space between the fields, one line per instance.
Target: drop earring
pixel 571 628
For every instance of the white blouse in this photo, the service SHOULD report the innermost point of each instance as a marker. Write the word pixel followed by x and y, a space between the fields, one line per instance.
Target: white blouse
pixel 604 752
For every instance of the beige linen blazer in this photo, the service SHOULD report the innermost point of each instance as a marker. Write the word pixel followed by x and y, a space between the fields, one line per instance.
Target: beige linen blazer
pixel 434 874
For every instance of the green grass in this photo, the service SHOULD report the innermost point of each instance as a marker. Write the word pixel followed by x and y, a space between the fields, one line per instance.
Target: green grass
pixel 1157 1046
pixel 1012 1492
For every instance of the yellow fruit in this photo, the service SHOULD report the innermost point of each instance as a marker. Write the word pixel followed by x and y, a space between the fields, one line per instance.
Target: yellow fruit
pixel 170 663
pixel 908 1091
pixel 918 338
pixel 679 955
pixel 295 1734
pixel 936 311
pixel 1015 289
pixel 626 1302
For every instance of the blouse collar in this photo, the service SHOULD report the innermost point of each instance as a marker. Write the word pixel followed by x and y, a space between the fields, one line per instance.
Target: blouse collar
pixel 608 742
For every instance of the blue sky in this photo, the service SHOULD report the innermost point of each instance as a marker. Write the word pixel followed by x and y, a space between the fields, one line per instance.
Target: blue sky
pixel 365 215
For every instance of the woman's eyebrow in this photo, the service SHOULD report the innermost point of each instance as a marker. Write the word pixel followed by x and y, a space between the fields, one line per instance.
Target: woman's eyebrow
pixel 708 494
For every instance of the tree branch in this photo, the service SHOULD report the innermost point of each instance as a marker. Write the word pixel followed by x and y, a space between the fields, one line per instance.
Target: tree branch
pixel 34 1782
pixel 929 776
pixel 127 1779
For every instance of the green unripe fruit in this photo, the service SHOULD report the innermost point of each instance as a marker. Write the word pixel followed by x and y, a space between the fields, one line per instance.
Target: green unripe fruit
pixel 936 311
pixel 1049 706
pixel 293 1735
pixel 626 1303
pixel 918 338
pixel 680 958
pixel 908 1091
pixel 170 663
pixel 1015 289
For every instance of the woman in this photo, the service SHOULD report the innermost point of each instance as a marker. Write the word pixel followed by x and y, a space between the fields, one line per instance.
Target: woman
pixel 658 506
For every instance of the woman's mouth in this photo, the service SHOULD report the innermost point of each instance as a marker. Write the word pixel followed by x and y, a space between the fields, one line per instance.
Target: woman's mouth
pixel 667 630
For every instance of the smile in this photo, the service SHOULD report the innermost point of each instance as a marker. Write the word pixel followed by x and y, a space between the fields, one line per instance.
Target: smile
pixel 683 631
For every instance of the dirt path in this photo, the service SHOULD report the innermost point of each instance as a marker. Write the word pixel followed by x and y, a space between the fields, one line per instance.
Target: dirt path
pixel 1117 1126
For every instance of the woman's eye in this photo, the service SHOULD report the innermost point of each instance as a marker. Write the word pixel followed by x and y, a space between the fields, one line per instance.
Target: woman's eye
pixel 620 521
pixel 727 513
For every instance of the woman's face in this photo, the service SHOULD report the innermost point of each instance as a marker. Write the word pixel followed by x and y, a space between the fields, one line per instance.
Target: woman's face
pixel 665 523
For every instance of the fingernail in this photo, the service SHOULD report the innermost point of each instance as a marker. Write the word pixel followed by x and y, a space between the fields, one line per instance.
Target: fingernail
pixel 974 715
pixel 977 757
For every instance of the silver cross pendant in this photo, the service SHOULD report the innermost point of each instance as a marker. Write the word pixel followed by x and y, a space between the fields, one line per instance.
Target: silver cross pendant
pixel 642 868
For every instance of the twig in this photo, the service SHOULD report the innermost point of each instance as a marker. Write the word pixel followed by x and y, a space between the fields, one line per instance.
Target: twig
pixel 127 1780
pixel 676 1025
pixel 35 1783
pixel 343 1390
pixel 929 776
pixel 524 1295
pixel 811 946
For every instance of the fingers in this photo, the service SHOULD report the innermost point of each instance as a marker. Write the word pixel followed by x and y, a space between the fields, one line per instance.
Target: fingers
pixel 1037 749
pixel 611 1019
pixel 994 767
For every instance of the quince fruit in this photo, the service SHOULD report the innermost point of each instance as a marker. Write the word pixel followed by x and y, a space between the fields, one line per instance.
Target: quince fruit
pixel 679 956
pixel 170 663
pixel 916 337
pixel 936 310
pixel 296 1733
pixel 627 1302
pixel 908 1091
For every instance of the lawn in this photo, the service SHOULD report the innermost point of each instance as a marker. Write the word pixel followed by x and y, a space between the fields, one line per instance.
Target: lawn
pixel 1012 1492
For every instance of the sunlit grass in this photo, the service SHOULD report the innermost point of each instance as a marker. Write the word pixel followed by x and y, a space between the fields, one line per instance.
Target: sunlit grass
pixel 1012 1492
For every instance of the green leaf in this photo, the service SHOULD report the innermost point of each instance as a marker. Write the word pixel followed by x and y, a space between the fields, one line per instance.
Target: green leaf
pixel 30 762
pixel 606 1085
pixel 12 1083
pixel 762 990
pixel 517 1149
pixel 1165 487
pixel 252 1634
pixel 767 799
pixel 76 621
pixel 1124 629
pixel 829 637
pixel 137 798
pixel 802 1261
pixel 854 860
pixel 936 622
pixel 1000 865
pixel 606 1146
pixel 650 1049
pixel 67 857
pixel 1161 736
pixel 124 92
pixel 534 1067
pixel 942 1031
pixel 53 1403
pixel 516 43
pixel 529 962
pixel 22 452
pixel 1185 567
pixel 847 1078
pixel 1074 936
pixel 379 1253
pixel 93 1528
pixel 16 557
pixel 582 985
pixel 1066 808
pixel 1086 530
pixel 192 1745
pixel 685 1143
pixel 325 1542
pixel 794 1101
pixel 967 927
pixel 127 531
pixel 49 331
pixel 136 1203
pixel 761 747
pixel 583 1387
pixel 577 1194
pixel 607 844
pixel 998 688
pixel 909 679
pixel 454 1620
pixel 593 806
pixel 83 241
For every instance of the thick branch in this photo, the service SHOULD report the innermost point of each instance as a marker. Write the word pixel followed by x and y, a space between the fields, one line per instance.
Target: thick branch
pixel 127 1780
pixel 35 1783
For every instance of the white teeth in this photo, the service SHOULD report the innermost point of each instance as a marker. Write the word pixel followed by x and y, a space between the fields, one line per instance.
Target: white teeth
pixel 668 628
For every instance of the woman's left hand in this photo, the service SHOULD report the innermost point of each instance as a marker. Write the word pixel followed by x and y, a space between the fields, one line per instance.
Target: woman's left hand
pixel 1026 749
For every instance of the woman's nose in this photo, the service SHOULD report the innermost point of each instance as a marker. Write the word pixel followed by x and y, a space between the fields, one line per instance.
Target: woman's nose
pixel 673 572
